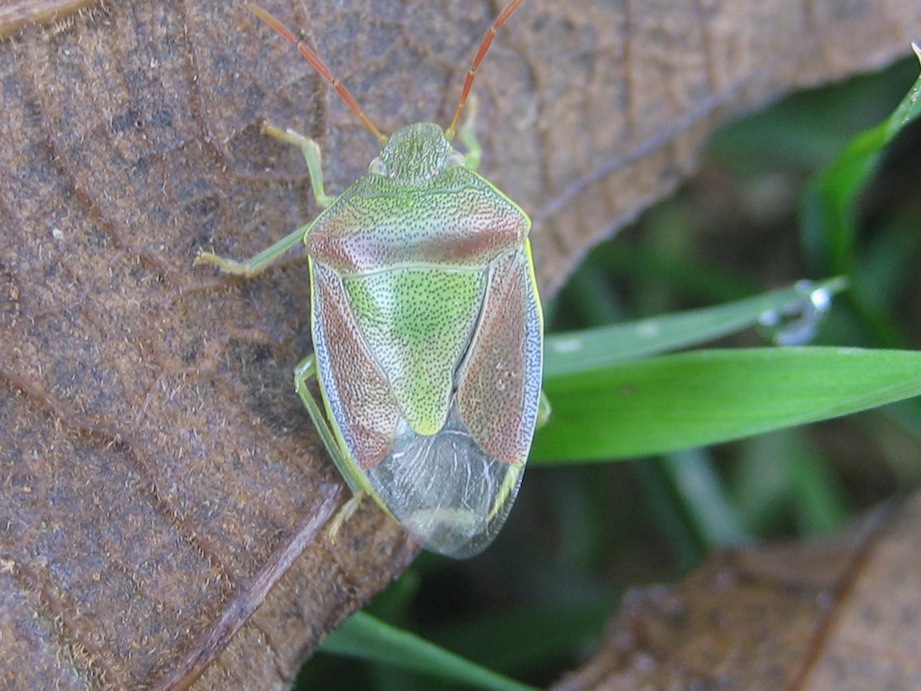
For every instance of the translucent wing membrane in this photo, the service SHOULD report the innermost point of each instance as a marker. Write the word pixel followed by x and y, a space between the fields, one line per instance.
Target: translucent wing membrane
pixel 445 488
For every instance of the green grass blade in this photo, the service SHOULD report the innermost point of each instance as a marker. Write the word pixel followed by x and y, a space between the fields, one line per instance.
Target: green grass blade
pixel 365 637
pixel 692 399
pixel 704 496
pixel 589 349
pixel 526 638
pixel 828 207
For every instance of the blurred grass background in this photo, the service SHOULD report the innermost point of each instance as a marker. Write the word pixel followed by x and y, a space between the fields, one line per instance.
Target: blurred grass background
pixel 534 602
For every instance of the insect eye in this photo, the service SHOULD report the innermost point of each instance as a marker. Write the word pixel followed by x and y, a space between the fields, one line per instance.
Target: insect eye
pixel 377 167
pixel 455 160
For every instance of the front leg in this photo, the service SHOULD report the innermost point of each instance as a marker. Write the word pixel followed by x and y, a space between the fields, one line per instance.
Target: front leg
pixel 260 262
pixel 257 264
pixel 312 156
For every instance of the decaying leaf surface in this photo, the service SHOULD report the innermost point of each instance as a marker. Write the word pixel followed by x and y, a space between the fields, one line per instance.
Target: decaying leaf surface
pixel 159 481
pixel 17 13
pixel 838 613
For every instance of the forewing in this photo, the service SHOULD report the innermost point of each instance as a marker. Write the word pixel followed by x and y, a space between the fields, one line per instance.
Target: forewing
pixel 498 385
pixel 455 488
pixel 358 397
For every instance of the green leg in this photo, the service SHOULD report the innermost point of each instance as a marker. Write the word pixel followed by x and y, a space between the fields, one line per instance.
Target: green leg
pixel 467 134
pixel 305 370
pixel 254 265
pixel 312 156
pixel 543 410
pixel 259 263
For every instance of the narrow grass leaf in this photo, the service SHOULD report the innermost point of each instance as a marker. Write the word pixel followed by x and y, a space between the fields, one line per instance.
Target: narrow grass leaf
pixel 590 349
pixel 703 397
pixel 365 637
pixel 828 207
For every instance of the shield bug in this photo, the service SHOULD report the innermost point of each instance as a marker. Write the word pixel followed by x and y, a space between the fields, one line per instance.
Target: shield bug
pixel 427 326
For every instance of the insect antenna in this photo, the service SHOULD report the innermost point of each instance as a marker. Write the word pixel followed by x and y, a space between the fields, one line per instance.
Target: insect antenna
pixel 320 67
pixel 481 53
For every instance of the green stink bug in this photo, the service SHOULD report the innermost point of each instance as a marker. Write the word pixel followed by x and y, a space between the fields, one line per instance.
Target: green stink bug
pixel 427 326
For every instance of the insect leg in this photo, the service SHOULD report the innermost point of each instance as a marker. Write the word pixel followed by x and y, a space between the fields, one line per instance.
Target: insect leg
pixel 467 134
pixel 543 410
pixel 312 155
pixel 343 514
pixel 257 264
pixel 305 370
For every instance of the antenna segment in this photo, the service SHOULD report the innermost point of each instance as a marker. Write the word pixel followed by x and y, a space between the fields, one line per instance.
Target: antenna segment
pixel 320 67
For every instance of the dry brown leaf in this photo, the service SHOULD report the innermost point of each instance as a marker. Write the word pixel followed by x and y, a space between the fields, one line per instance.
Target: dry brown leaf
pixel 17 13
pixel 158 479
pixel 836 613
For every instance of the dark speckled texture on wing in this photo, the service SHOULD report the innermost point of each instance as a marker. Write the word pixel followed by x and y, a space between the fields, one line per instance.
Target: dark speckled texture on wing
pixel 499 384
pixel 359 396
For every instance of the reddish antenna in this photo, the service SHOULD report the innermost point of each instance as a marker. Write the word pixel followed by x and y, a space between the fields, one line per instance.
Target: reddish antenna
pixel 481 53
pixel 324 71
